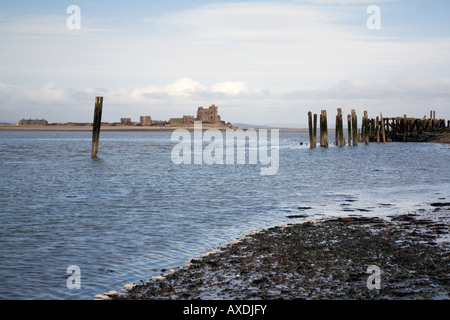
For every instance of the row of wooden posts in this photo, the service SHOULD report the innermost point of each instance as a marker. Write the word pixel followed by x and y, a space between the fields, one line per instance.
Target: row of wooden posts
pixel 379 129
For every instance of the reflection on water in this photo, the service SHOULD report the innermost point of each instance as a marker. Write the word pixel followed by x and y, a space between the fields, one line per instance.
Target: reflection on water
pixel 132 210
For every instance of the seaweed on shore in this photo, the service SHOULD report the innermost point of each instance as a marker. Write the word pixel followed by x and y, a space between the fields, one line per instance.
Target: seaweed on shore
pixel 322 260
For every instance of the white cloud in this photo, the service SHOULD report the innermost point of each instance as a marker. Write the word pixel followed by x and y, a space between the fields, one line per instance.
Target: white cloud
pixel 230 87
pixel 183 87
pixel 187 88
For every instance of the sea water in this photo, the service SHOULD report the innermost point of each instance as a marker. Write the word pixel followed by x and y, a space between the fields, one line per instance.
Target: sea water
pixel 130 213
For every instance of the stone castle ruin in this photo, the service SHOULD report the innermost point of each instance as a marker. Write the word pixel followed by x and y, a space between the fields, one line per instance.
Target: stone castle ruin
pixel 208 116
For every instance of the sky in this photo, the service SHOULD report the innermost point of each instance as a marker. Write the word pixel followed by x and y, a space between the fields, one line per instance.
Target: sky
pixel 260 62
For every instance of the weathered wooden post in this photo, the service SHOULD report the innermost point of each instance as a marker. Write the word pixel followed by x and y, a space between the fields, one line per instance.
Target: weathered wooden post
pixel 336 130
pixel 312 129
pixel 340 128
pixel 377 128
pixel 383 133
pixel 349 129
pixel 366 127
pixel 310 125
pixel 324 128
pixel 355 128
pixel 96 125
pixel 321 129
pixel 388 130
pixel 315 130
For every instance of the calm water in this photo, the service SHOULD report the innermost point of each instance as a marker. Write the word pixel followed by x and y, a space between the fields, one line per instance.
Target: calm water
pixel 133 210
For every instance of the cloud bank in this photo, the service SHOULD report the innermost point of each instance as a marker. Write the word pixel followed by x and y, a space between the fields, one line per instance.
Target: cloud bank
pixel 238 101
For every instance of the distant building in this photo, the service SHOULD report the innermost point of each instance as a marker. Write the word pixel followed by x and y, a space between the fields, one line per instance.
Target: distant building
pixel 146 121
pixel 209 115
pixel 125 121
pixel 31 122
pixel 182 121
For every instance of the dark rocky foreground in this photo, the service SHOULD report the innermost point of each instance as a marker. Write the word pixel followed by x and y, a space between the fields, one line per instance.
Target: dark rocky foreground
pixel 320 260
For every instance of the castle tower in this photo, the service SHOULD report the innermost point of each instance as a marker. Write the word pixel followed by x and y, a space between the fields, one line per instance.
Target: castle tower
pixel 209 115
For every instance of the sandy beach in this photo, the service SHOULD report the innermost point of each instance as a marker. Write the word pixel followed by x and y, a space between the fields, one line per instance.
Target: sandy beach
pixel 317 260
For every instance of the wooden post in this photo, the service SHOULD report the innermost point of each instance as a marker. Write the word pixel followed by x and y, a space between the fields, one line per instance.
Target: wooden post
pixel 324 128
pixel 387 129
pixel 340 128
pixel 96 125
pixel 349 129
pixel 336 130
pixel 363 126
pixel 321 128
pixel 383 134
pixel 377 126
pixel 355 128
pixel 366 128
pixel 310 124
pixel 315 131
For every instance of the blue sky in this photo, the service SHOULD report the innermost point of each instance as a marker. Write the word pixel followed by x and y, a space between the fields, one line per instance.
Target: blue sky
pixel 261 62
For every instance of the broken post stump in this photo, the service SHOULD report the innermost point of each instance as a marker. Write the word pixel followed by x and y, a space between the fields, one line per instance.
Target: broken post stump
pixel 324 129
pixel 336 130
pixel 365 129
pixel 377 128
pixel 315 130
pixel 339 129
pixel 310 125
pixel 383 133
pixel 355 128
pixel 349 129
pixel 96 125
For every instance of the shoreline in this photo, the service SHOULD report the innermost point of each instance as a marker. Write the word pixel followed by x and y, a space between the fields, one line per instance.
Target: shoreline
pixel 325 259
pixel 126 128
pixel 439 136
